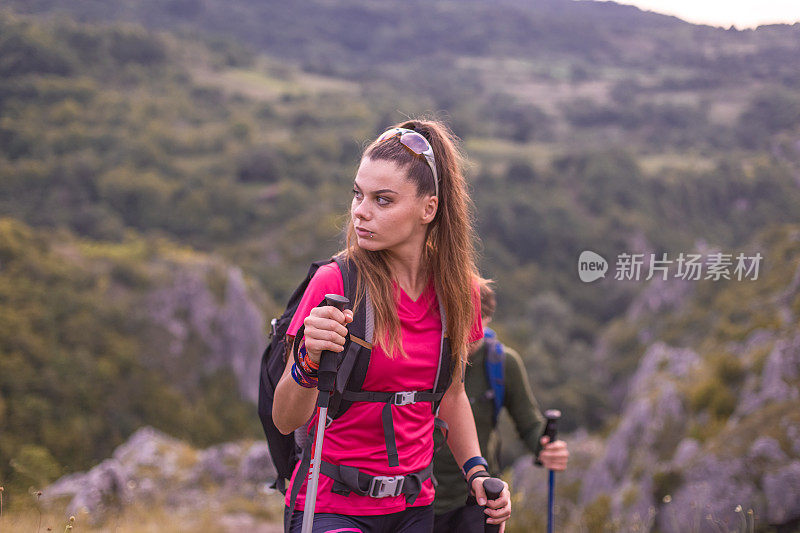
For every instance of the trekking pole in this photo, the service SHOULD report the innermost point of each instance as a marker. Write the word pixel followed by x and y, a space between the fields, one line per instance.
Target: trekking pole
pixel 493 488
pixel 550 430
pixel 327 379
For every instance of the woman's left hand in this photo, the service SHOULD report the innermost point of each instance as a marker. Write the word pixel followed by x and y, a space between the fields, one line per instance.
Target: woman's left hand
pixel 497 510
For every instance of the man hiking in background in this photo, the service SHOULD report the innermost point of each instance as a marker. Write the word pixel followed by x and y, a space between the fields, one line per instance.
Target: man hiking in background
pixel 495 378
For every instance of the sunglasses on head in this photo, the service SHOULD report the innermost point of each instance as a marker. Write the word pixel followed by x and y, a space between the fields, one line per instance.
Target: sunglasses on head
pixel 418 144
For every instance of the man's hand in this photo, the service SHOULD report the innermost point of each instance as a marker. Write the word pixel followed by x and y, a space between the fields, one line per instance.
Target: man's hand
pixel 554 455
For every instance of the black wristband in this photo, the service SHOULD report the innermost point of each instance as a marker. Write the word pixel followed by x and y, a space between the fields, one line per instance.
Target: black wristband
pixel 473 477
pixel 472 462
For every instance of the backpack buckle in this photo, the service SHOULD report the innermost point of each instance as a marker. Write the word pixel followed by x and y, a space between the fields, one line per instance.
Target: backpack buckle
pixel 404 398
pixel 386 486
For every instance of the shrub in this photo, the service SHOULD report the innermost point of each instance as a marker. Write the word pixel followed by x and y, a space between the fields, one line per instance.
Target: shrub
pixel 713 395
pixel 597 515
pixel 665 483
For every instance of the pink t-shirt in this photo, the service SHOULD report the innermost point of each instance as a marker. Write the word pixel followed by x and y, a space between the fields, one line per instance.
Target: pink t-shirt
pixel 356 438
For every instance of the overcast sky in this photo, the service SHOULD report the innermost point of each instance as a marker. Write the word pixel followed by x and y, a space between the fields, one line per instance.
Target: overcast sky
pixel 739 13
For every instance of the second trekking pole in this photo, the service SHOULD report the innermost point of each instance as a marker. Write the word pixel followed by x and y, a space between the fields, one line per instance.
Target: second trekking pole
pixel 327 380
pixel 550 431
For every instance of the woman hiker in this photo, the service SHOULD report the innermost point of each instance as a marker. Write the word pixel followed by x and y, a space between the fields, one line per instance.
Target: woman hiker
pixel 410 239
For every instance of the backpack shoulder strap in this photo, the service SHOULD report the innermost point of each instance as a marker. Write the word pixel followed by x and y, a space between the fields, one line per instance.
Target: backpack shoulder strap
pixel 357 350
pixel 445 365
pixel 495 371
pixel 347 268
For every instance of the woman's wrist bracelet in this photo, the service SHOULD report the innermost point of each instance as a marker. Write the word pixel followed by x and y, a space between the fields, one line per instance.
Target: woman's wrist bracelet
pixel 305 365
pixel 306 359
pixel 300 356
pixel 304 381
pixel 472 462
pixel 305 371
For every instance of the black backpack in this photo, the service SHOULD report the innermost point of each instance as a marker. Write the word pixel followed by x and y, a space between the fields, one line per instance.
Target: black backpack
pixel 353 364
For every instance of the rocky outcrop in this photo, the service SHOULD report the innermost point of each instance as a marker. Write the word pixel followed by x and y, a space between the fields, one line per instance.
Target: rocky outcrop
pixel 649 472
pixel 153 469
pixel 778 380
pixel 226 320
pixel 645 439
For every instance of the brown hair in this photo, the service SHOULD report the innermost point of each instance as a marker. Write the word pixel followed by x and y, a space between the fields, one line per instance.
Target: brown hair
pixel 449 252
pixel 488 299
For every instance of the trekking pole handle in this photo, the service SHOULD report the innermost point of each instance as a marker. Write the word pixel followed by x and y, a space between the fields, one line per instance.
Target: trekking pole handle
pixel 328 359
pixel 493 488
pixel 336 300
pixel 551 427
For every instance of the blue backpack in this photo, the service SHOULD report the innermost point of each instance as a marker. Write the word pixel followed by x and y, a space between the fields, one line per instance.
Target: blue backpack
pixel 495 371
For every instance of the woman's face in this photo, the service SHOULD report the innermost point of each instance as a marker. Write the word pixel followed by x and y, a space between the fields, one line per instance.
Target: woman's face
pixel 386 211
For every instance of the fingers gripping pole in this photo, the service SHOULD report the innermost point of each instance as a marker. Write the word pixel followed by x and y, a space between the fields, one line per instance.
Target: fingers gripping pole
pixel 327 379
pixel 493 488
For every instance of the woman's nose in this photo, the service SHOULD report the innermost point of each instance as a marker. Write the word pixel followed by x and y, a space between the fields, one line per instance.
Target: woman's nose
pixel 360 210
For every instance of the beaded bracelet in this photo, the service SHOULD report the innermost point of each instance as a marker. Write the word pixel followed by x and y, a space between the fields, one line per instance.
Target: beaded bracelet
pixel 303 381
pixel 307 361
pixel 305 365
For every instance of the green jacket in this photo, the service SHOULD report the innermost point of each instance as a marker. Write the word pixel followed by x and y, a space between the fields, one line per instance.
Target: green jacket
pixel 451 491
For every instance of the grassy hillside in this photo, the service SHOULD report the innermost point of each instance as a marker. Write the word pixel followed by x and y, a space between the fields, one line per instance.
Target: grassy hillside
pixel 640 134
pixel 83 364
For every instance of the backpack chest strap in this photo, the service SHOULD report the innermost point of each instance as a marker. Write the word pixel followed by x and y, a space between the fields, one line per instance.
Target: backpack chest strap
pixel 347 479
pixel 387 420
pixel 393 398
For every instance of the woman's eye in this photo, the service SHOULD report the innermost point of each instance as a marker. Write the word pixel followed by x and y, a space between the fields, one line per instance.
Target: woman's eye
pixel 356 194
pixel 382 200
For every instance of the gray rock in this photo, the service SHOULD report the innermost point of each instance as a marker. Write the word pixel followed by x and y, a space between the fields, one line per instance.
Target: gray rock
pixel 231 329
pixel 645 430
pixel 153 468
pixel 659 295
pixel 793 434
pixel 782 493
pixel 687 449
pixel 782 368
pixel 257 465
pixel 777 381
pixel 767 452
pixel 709 494
pixel 99 491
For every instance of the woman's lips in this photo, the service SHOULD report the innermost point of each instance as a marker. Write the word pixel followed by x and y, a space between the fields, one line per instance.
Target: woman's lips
pixel 363 233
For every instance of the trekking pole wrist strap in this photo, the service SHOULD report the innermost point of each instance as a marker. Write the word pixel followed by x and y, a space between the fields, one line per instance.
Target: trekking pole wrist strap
pixel 476 475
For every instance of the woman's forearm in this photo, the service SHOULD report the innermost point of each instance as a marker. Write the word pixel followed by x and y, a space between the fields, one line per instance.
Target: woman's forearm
pixel 457 414
pixel 293 404
pixel 325 329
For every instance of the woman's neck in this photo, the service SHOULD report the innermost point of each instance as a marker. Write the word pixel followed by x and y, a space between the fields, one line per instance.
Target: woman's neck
pixel 409 272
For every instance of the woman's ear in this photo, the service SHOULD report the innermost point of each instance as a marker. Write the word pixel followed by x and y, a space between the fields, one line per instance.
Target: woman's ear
pixel 429 210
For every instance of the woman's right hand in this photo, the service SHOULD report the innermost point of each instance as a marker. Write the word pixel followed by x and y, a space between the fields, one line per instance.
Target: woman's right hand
pixel 325 329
